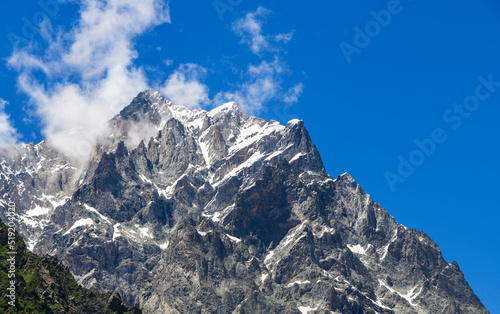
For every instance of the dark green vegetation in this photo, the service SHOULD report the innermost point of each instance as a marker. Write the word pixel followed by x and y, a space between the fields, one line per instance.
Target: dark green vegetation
pixel 44 285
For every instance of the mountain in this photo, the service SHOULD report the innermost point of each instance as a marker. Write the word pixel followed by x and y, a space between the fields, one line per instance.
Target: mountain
pixel 186 211
pixel 44 285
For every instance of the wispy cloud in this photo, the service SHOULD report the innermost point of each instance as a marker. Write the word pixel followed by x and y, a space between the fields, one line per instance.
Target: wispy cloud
pixel 263 82
pixel 184 86
pixel 249 29
pixel 292 96
pixel 8 134
pixel 168 62
pixel 262 85
pixel 283 38
pixel 87 74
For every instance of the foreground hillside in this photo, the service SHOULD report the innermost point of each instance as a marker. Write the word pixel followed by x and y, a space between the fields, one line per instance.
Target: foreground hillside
pixel 44 285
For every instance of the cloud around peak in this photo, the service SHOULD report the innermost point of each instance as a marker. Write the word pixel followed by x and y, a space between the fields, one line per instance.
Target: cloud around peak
pixel 184 86
pixel 87 74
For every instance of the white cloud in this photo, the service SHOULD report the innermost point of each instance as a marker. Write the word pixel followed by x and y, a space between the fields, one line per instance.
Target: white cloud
pixel 293 94
pixel 183 87
pixel 284 38
pixel 250 30
pixel 88 72
pixel 8 134
pixel 168 62
pixel 263 82
pixel 263 85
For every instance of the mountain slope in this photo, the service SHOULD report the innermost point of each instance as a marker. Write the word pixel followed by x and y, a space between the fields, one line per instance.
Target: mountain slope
pixel 44 285
pixel 335 250
pixel 220 211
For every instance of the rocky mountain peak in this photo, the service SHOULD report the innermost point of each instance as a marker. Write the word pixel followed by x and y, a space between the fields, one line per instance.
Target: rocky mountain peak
pixel 143 103
pixel 194 211
pixel 295 122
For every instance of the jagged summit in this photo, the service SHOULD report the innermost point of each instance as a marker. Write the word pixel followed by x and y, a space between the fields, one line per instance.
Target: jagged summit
pixel 151 100
pixel 148 106
pixel 142 103
pixel 194 211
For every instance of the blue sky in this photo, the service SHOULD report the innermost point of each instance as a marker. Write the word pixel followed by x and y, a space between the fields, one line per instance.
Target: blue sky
pixel 400 94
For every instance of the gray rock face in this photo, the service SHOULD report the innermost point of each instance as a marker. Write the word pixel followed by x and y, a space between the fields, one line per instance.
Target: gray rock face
pixel 213 212
pixel 37 179
pixel 292 246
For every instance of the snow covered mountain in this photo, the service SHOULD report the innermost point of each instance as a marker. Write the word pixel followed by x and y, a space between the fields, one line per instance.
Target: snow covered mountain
pixel 190 211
